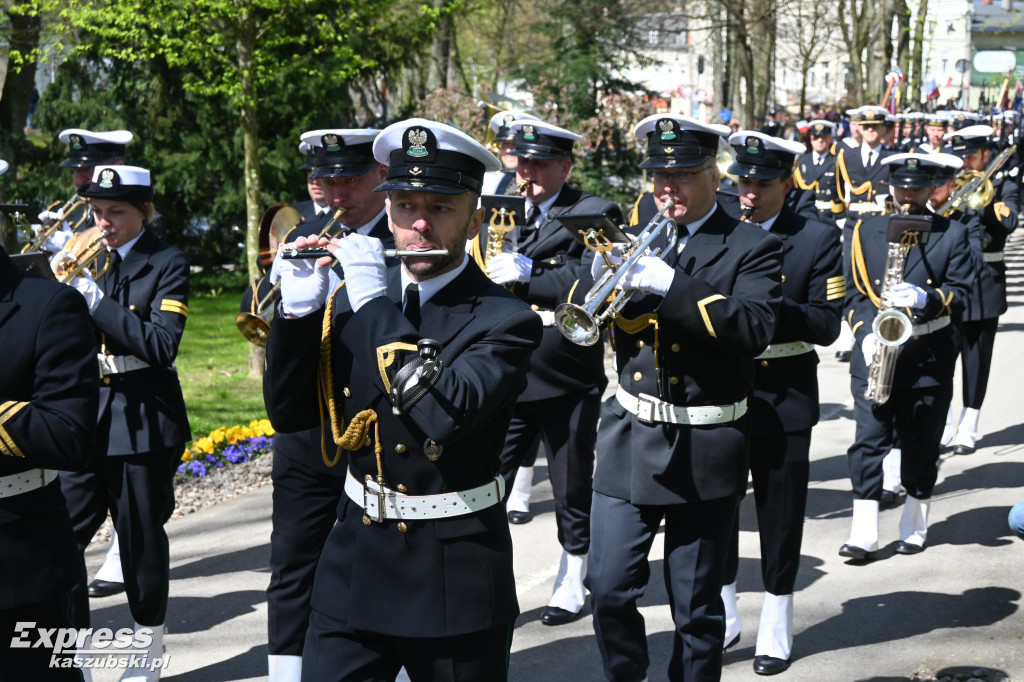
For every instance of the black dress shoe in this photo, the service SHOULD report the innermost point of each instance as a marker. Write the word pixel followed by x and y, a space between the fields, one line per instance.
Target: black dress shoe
pixel 104 588
pixel 843 355
pixel 732 642
pixel 854 552
pixel 766 665
pixel 889 498
pixel 963 450
pixel 908 548
pixel 552 615
pixel 519 517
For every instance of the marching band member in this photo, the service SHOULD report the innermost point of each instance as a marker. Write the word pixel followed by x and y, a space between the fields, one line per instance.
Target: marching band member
pixel 502 181
pixel 308 484
pixel 672 443
pixel 139 308
pixel 417 571
pixel 784 405
pixel 935 125
pixel 562 401
pixel 988 292
pixel 48 404
pixel 317 205
pixel 815 193
pixel 931 288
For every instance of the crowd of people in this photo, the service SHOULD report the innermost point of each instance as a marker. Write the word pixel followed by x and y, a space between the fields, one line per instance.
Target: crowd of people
pixel 439 309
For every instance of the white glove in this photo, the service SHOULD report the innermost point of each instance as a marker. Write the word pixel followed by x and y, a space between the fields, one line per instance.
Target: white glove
pixel 275 269
pixel 58 258
pixel 506 268
pixel 57 241
pixel 303 285
pixel 50 217
pixel 650 275
pixel 867 348
pixel 907 295
pixel 598 267
pixel 362 259
pixel 86 286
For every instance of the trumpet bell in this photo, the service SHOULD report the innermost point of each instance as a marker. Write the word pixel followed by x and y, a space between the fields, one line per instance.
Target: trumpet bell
pixel 576 324
pixel 255 328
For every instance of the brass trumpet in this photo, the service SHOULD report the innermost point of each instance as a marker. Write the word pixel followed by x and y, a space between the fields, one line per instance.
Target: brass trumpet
pixel 51 227
pixel 83 249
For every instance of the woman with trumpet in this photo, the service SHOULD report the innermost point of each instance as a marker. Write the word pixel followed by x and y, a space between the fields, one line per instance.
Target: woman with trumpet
pixel 139 306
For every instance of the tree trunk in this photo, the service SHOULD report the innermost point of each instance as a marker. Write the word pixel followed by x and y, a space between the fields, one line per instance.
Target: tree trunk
pixel 440 51
pixel 916 79
pixel 251 144
pixel 21 78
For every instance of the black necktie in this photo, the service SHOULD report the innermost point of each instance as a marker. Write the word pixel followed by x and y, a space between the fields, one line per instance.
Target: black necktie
pixel 412 304
pixel 871 158
pixel 113 273
pixel 533 216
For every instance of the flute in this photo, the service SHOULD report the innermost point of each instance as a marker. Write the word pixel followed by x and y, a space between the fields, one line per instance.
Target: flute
pixel 294 253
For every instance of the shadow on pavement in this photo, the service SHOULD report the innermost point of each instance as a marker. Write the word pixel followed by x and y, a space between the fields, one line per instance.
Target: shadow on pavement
pixel 199 614
pixel 251 559
pixel 985 526
pixel 252 663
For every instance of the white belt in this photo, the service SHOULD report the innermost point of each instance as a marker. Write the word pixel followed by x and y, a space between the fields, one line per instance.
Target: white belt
pixel 785 350
pixel 993 256
pixel 823 205
pixel 650 409
pixel 26 481
pixel 119 364
pixel 932 326
pixel 866 207
pixel 399 507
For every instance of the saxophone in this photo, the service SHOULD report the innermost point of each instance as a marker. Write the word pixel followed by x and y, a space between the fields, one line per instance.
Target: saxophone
pixel 891 326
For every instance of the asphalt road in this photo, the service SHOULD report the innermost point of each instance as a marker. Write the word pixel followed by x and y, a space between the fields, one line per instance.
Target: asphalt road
pixel 953 609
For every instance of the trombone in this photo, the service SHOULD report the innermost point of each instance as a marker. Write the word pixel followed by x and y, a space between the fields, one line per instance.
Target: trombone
pixel 51 227
pixel 974 188
pixel 582 324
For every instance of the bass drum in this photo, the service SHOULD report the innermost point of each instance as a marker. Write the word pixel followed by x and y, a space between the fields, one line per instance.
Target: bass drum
pixel 276 223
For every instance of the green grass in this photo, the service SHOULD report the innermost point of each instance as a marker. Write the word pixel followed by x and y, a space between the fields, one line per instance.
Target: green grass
pixel 213 365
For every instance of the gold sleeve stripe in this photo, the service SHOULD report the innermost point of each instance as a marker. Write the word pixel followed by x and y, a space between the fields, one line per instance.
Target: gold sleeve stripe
pixel 386 356
pixel 856 326
pixel 169 305
pixel 838 279
pixel 9 409
pixel 8 446
pixel 835 292
pixel 703 305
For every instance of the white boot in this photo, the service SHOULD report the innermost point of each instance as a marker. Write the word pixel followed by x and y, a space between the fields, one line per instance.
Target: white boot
pixel 891 471
pixel 110 571
pixel 775 631
pixel 732 616
pixel 967 432
pixel 569 593
pixel 864 529
pixel 284 668
pixel 150 658
pixel 83 643
pixel 913 525
pixel 522 487
pixel 950 429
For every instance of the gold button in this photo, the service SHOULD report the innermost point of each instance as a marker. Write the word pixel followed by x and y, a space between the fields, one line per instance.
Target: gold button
pixel 400 448
pixel 783 278
pixel 638 376
pixel 106 380
pixel 348 393
pixel 640 343
pixel 402 528
pixel 764 363
pixel 366 520
pixel 534 307
pixel 673 380
pixel 877 282
pixel 929 281
pixel 401 488
pixel 676 348
pixel 131 307
pixel 367 478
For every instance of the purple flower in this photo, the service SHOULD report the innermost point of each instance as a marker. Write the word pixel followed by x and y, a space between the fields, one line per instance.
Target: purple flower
pixel 196 468
pixel 236 453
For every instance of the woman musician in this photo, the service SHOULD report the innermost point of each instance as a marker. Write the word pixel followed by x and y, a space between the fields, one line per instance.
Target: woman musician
pixel 139 306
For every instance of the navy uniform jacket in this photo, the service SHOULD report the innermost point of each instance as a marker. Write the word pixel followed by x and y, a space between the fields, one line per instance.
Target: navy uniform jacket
pixel 717 316
pixel 307 209
pixel 997 221
pixel 944 268
pixel 559 367
pixel 786 395
pixel 48 403
pixel 143 314
pixel 442 577
pixel 857 183
pixel 813 183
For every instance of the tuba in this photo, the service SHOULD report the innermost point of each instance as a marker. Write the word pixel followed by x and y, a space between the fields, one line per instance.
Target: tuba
pixel 582 324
